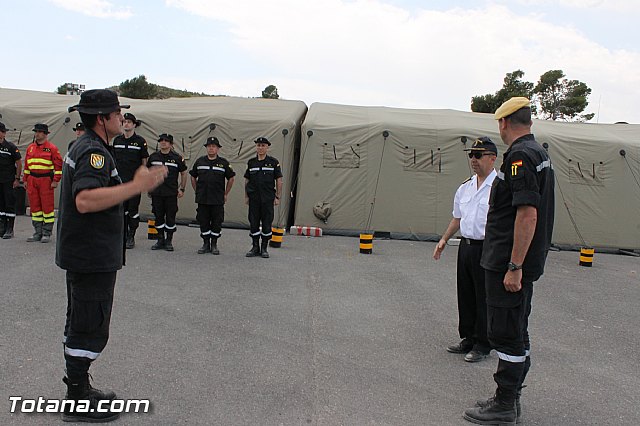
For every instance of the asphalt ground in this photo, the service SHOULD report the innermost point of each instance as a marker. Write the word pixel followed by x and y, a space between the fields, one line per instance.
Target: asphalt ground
pixel 317 334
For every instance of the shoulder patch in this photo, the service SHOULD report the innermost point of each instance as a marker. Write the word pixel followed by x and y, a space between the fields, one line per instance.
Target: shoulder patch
pixel 466 180
pixel 516 166
pixel 97 161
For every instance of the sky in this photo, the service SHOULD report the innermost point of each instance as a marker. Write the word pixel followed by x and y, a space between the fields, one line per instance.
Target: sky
pixel 395 53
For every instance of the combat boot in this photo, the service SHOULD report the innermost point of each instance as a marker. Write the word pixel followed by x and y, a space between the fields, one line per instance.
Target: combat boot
pixel 214 246
pixel 131 239
pixel 168 246
pixel 263 248
pixel 47 228
pixel 497 410
pixel 80 389
pixel 37 234
pixel 206 246
pixel 159 245
pixel 8 231
pixel 255 248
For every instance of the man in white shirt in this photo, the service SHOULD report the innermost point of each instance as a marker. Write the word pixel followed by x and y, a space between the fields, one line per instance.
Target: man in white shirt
pixel 470 207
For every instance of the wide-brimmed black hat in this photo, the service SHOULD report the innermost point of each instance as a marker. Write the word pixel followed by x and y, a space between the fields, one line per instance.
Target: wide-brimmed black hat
pixel 3 128
pixel 165 137
pixel 129 116
pixel 98 101
pixel 79 126
pixel 262 139
pixel 212 141
pixel 483 144
pixel 40 127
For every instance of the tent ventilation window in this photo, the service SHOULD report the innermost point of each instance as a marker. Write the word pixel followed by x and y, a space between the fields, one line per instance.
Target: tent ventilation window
pixel 586 172
pixel 341 156
pixel 421 159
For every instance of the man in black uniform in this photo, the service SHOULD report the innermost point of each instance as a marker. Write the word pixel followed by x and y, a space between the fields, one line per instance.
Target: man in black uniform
pixel 517 239
pixel 208 176
pixel 79 129
pixel 263 188
pixel 90 244
pixel 164 198
pixel 130 152
pixel 10 169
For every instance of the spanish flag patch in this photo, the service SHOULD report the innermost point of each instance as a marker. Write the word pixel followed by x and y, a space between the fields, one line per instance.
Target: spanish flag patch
pixel 514 167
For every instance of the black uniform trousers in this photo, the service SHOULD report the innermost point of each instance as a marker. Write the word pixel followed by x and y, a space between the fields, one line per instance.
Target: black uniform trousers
pixel 165 210
pixel 210 218
pixel 472 299
pixel 89 303
pixel 508 331
pixel 131 211
pixel 260 212
pixel 7 200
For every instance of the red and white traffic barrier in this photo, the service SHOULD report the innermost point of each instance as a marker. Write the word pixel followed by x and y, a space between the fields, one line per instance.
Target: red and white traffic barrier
pixel 309 231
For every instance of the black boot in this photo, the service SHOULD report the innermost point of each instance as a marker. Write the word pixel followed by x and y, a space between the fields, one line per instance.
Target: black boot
pixel 214 246
pixel 3 224
pixel 80 389
pixel 159 245
pixel 498 410
pixel 484 402
pixel 8 231
pixel 255 247
pixel 168 246
pixel 131 239
pixel 206 247
pixel 263 248
pixel 37 234
pixel 47 229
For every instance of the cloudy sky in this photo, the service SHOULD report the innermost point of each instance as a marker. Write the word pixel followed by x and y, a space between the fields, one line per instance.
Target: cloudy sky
pixel 400 53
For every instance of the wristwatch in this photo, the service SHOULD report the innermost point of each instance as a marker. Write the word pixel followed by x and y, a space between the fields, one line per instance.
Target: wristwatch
pixel 513 267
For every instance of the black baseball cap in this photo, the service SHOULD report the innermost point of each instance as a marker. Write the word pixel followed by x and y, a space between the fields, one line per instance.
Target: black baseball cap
pixel 262 139
pixel 3 128
pixel 98 101
pixel 129 116
pixel 166 137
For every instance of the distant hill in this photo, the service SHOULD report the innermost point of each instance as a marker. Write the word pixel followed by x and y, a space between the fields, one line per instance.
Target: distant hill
pixel 140 88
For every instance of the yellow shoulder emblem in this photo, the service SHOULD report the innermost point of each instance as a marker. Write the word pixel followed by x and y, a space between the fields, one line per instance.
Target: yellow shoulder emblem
pixel 97 161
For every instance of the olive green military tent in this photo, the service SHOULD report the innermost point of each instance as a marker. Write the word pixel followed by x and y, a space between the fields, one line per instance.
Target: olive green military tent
pixel 395 171
pixel 236 122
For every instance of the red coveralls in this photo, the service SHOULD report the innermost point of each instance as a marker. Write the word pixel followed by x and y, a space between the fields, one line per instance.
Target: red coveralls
pixel 42 165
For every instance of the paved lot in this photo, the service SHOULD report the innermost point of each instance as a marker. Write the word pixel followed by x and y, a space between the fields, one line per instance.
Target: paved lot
pixel 318 334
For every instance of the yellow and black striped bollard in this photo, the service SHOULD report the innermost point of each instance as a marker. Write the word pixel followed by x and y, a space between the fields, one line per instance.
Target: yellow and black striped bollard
pixel 276 237
pixel 152 232
pixel 586 256
pixel 366 243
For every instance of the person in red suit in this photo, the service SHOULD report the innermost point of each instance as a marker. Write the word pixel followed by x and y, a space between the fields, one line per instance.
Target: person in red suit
pixel 42 172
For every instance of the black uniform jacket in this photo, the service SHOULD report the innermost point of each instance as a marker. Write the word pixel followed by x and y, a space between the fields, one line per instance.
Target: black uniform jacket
pixel 175 164
pixel 526 178
pixel 129 154
pixel 9 154
pixel 89 242
pixel 262 177
pixel 211 178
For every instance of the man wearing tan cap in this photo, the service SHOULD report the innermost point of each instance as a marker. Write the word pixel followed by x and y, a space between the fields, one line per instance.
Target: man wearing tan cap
pixel 517 239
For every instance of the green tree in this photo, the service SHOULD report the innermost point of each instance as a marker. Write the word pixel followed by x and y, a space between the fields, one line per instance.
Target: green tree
pixel 562 99
pixel 138 88
pixel 62 89
pixel 513 85
pixel 270 92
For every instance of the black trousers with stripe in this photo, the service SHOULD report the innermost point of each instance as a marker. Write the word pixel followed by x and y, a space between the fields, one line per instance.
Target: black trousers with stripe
pixel 260 215
pixel 165 210
pixel 210 218
pixel 131 208
pixel 89 304
pixel 508 331
pixel 7 199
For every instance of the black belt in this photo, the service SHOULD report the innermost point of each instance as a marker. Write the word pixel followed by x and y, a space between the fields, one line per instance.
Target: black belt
pixel 36 174
pixel 471 242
